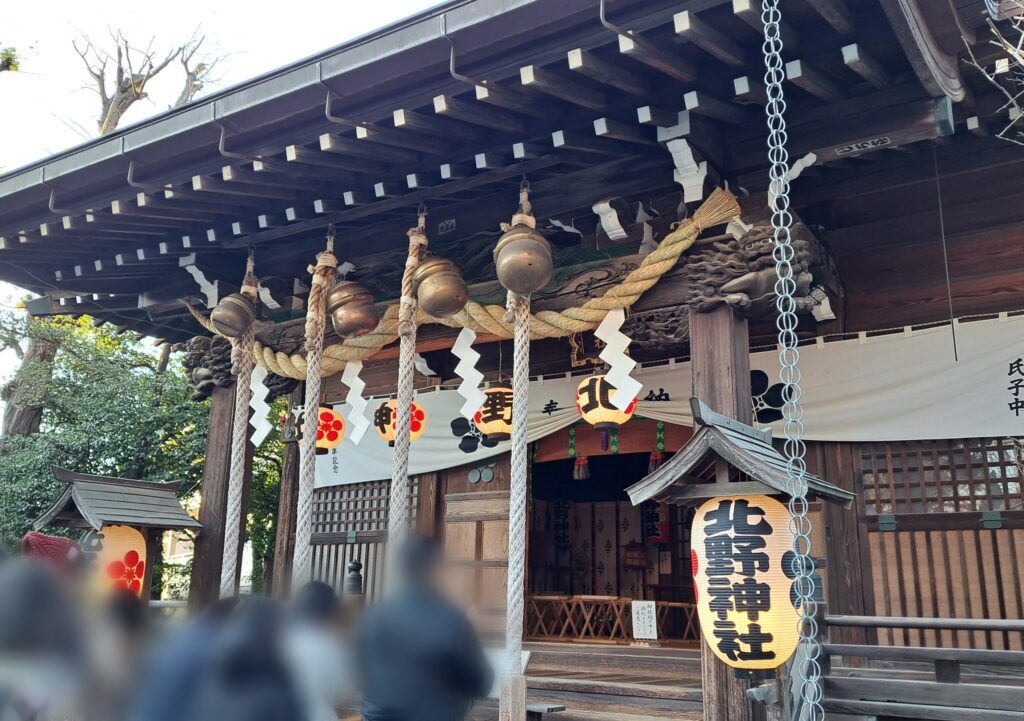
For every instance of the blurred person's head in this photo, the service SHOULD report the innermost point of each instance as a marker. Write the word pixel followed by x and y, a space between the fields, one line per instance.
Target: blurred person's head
pixel 126 612
pixel 61 554
pixel 316 602
pixel 36 615
pixel 420 559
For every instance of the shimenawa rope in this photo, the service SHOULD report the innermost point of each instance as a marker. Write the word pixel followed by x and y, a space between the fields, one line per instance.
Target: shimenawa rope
pixel 718 208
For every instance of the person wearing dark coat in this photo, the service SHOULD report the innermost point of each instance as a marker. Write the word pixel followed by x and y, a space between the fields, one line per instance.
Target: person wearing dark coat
pixel 419 657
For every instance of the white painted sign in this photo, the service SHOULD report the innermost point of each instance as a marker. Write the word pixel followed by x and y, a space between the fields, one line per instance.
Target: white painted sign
pixel 645 621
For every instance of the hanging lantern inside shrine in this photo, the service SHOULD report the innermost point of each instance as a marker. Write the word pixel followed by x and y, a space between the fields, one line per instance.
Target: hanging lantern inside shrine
pixel 522 257
pixel 233 315
pixel 593 399
pixel 330 430
pixel 743 576
pixel 118 555
pixel 352 310
pixel 440 290
pixel 385 421
pixel 494 418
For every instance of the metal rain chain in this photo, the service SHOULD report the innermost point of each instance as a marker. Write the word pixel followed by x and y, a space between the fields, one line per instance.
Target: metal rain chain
pixel 806 667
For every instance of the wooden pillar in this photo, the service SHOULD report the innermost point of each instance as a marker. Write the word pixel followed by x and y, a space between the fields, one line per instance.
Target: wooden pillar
pixel 209 545
pixel 287 512
pixel 154 541
pixel 720 363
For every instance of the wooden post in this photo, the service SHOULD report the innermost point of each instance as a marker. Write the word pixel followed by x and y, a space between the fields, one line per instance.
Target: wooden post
pixel 720 364
pixel 209 545
pixel 154 540
pixel 287 511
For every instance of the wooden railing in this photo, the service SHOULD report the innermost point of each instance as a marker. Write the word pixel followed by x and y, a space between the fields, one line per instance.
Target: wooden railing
pixel 608 619
pixel 927 683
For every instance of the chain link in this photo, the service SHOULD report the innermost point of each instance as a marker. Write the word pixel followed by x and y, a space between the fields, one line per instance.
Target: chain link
pixel 807 666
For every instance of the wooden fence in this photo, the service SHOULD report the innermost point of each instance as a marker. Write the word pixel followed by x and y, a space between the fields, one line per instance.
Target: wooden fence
pixel 350 523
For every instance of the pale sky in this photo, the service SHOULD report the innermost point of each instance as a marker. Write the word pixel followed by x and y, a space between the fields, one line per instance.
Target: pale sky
pixel 49 105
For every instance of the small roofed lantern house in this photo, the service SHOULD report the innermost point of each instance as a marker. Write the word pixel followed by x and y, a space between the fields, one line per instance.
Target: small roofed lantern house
pixel 123 522
pixel 744 564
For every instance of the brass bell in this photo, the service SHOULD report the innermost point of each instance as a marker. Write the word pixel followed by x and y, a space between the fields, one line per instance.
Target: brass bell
pixel 522 259
pixel 233 315
pixel 440 290
pixel 352 310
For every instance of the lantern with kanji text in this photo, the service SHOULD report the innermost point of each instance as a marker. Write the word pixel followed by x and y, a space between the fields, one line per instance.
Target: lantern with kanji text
pixel 494 417
pixel 743 573
pixel 385 421
pixel 593 399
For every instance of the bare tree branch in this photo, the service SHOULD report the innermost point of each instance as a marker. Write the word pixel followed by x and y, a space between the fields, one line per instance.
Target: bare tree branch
pixel 1009 80
pixel 197 74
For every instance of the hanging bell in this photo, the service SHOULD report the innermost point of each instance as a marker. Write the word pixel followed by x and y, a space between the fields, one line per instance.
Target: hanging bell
pixel 233 315
pixel 352 310
pixel 440 290
pixel 522 256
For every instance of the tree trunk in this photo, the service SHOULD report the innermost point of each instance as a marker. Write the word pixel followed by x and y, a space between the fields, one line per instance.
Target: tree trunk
pixel 26 393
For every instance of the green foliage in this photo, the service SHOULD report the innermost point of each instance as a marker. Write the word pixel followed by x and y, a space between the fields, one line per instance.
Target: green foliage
pixel 171 580
pixel 9 60
pixel 108 410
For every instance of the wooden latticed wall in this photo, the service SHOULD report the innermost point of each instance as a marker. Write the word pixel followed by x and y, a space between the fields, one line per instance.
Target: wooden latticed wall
pixel 946 536
pixel 351 523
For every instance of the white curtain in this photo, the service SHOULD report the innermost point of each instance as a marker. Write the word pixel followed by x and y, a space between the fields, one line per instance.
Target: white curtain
pixel 892 387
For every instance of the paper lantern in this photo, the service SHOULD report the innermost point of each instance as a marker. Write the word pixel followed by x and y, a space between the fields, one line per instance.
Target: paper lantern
pixel 494 417
pixel 742 556
pixel 118 556
pixel 385 421
pixel 593 399
pixel 330 430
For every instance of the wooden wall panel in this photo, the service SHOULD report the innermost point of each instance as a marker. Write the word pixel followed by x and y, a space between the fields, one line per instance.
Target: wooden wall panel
pixel 948 574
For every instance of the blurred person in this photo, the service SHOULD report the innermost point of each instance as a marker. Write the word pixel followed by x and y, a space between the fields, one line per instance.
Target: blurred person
pixel 63 555
pixel 316 653
pixel 116 641
pixel 177 664
pixel 418 654
pixel 41 656
pixel 248 678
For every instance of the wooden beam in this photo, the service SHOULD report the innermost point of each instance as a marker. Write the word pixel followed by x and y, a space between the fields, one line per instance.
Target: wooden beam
pixel 857 60
pixel 976 126
pixel 451 171
pixel 691 28
pixel 381 135
pixel 657 115
pixel 388 189
pixel 521 151
pixel 343 145
pixel 424 179
pixel 299 212
pixel 803 75
pixel 133 208
pixel 345 163
pixel 546 81
pixel 701 103
pixel 434 125
pixel 607 73
pixel 653 56
pixel 503 96
pixel 835 14
pixel 479 114
pixel 568 140
pixel 749 90
pixel 618 130
pixel 491 160
pixel 207 184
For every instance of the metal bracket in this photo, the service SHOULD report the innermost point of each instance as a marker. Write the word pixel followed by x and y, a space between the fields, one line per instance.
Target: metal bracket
pixel 350 537
pixel 886 522
pixel 991 519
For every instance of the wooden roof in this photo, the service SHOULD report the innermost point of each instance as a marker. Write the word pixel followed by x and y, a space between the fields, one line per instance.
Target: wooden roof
pixel 746 449
pixel 97 501
pixel 452 107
